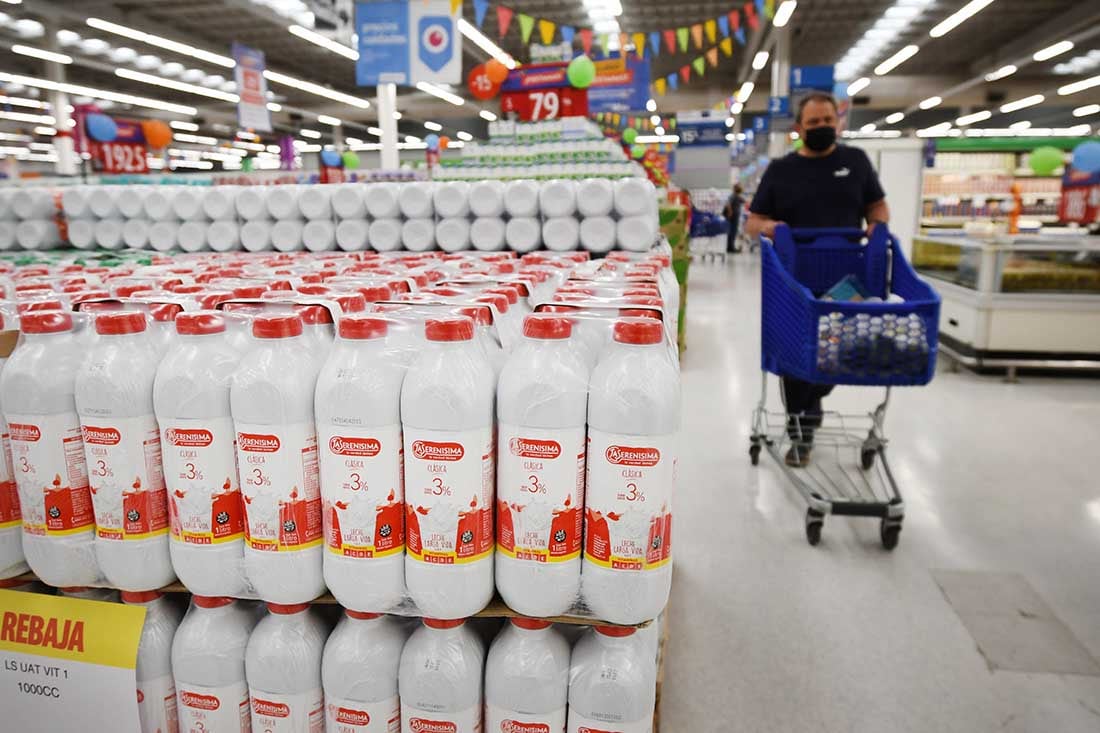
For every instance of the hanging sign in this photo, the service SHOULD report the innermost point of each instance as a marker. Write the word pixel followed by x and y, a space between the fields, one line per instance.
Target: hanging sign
pixel 125 154
pixel 542 92
pixel 621 85
pixel 407 42
pixel 252 112
pixel 67 663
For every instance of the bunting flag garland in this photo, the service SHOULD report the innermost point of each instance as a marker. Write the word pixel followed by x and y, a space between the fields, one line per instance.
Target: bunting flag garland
pixel 685 73
pixel 655 42
pixel 727 46
pixel 639 44
pixel 670 40
pixel 586 40
pixel 659 87
pixel 481 7
pixel 759 6
pixel 567 33
pixel 712 56
pixel 605 42
pixel 711 28
pixel 526 25
pixel 740 35
pixel 724 25
pixel 547 29
pixel 769 9
pixel 697 34
pixel 673 82
pixel 751 17
pixel 624 39
pixel 456 5
pixel 682 37
pixel 699 64
pixel 504 19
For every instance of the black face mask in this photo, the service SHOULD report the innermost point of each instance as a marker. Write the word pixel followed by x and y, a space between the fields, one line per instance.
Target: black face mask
pixel 819 139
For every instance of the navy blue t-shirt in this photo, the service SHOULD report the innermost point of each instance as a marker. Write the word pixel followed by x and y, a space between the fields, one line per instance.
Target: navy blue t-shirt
pixel 832 191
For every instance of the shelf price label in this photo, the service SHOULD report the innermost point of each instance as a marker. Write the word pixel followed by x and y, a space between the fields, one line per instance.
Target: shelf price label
pixel 68 662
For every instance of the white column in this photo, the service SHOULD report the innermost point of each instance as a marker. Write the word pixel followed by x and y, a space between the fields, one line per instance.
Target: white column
pixel 67 161
pixel 387 105
pixel 778 142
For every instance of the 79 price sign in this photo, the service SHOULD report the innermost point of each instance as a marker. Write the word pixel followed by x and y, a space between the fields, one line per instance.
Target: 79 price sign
pixel 533 105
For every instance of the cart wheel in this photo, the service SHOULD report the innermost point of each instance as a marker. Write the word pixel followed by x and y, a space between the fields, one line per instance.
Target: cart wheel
pixel 754 453
pixel 890 532
pixel 867 458
pixel 814 522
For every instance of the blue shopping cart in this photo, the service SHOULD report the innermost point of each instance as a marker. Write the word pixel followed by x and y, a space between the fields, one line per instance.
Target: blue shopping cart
pixel 887 339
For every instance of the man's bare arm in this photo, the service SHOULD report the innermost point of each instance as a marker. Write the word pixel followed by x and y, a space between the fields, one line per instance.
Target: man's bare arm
pixel 758 224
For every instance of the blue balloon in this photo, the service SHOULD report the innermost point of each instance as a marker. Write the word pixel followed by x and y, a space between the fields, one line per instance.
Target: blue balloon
pixel 432 140
pixel 331 158
pixel 100 128
pixel 1086 157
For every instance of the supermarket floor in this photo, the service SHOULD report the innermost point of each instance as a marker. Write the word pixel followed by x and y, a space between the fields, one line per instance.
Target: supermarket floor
pixel 770 634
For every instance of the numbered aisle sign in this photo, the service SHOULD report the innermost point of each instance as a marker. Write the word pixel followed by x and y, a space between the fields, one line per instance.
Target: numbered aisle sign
pixel 68 664
pixel 542 92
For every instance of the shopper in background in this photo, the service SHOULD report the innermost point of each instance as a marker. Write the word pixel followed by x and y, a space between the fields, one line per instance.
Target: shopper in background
pixel 732 212
pixel 822 184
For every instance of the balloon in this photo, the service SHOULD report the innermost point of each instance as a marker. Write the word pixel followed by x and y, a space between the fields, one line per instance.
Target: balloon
pixel 797 144
pixel 444 142
pixel 351 160
pixel 100 128
pixel 330 159
pixel 496 71
pixel 1086 157
pixel 157 133
pixel 637 151
pixel 629 134
pixel 247 165
pixel 581 72
pixel 479 83
pixel 1045 160
pixel 432 140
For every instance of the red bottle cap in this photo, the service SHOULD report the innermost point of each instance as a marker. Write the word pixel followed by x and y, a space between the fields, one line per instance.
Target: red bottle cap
pixel 453 328
pixel 141 596
pixel 211 601
pixel 285 609
pixel 119 323
pixel 277 327
pixel 638 331
pixel 438 623
pixel 199 323
pixel 531 624
pixel 313 315
pixel 615 631
pixel 547 327
pixel 363 327
pixel 361 615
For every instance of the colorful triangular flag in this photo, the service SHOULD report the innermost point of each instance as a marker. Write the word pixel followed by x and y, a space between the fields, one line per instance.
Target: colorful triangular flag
pixel 724 25
pixel 605 42
pixel 673 82
pixel 639 44
pixel 547 29
pixel 586 40
pixel 672 123
pixel 456 5
pixel 682 37
pixel 712 30
pixel 670 40
pixel 712 56
pixel 481 7
pixel 659 87
pixel 740 36
pixel 699 65
pixel 615 119
pixel 759 5
pixel 685 73
pixel 526 25
pixel 726 44
pixel 655 42
pixel 734 17
pixel 769 9
pixel 751 17
pixel 567 33
pixel 504 19
pixel 697 34
pixel 624 40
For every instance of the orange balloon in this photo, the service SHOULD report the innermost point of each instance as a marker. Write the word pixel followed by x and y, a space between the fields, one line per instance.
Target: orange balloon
pixel 157 133
pixel 444 141
pixel 496 71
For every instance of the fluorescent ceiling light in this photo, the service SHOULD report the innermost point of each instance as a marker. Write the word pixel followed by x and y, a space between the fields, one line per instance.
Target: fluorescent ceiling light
pixel 745 92
pixel 651 105
pixel 177 85
pixel 657 139
pixel 172 68
pixel 14 151
pixel 67 37
pixel 959 17
pixel 412 139
pixel 376 131
pixel 184 137
pixel 935 130
pixel 160 42
pixel 273 107
pixel 783 13
pixel 655 120
pixel 930 103
pixel 482 42
pixel 435 126
pixel 1088 109
pixel 329 120
pixel 15 138
pixel 736 108
pixel 972 118
pixel 397 115
pixel 39 53
pixel 1001 73
pixel 48 131
pixel 353 141
pixel 185 126
pixel 487 115
pixel 858 86
pixel 25 117
pixel 311 134
pixel 20 102
pixel 1042 54
pixel 1031 101
pixel 659 130
pixel 123 55
pixel 148 61
pixel 760 60
pixel 1021 125
pixel 200 164
pixel 895 118
pixel 869 127
pixel 897 59
pixel 1079 86
pixel 441 93
pixel 729 122
pixel 320 91
pixel 324 42
pixel 463 135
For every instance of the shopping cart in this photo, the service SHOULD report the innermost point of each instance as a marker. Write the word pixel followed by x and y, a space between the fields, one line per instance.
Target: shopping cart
pixel 871 343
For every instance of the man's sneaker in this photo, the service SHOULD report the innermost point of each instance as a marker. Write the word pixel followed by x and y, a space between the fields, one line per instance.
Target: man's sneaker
pixel 798 456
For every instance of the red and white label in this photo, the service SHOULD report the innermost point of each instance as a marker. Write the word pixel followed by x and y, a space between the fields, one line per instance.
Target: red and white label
pixel 50 473
pixel 580 724
pixel 200 469
pixel 362 491
pixel 540 493
pixel 124 470
pixel 214 709
pixel 280 486
pixel 354 716
pixel 303 712
pixel 628 507
pixel 157 705
pixel 499 720
pixel 419 721
pixel 449 490
pixel 10 516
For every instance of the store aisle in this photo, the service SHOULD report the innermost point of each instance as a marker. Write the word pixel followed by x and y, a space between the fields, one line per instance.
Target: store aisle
pixel 770 634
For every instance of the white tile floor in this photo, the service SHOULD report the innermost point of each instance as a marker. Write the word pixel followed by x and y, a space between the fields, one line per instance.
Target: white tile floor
pixel 770 634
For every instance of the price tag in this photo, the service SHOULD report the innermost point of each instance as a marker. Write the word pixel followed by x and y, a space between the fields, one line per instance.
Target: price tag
pixel 67 662
pixel 532 105
pixel 119 158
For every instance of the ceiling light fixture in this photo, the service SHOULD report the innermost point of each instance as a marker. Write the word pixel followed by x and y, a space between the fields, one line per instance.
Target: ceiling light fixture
pixel 317 89
pixel 760 60
pixel 329 120
pixel 897 59
pixel 185 126
pixel 644 139
pixel 184 137
pixel 311 134
pixel 481 41
pixel 487 115
pixel 655 120
pixel 39 53
pixel 1049 52
pixel 464 136
pixel 434 126
pixel 441 93
pixel 20 102
pixel 858 86
pixel 744 92
pixel 1021 125
pixel 273 107
pixel 376 131
pixel 736 108
pixel 972 118
pixel 47 131
pixel 1079 86
pixel 930 103
pixel 869 127
pixel 1001 73
pixel 25 117
pixel 160 42
pixel 651 105
pixel 895 118
pixel 177 85
pixel 1030 101
pixel 959 17
pixel 324 42
pixel 1088 109
pixel 397 115
pixel 783 13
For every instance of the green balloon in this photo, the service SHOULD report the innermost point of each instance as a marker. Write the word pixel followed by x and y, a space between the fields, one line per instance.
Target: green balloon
pixel 351 160
pixel 1045 160
pixel 581 72
pixel 247 165
pixel 637 151
pixel 629 134
pixel 797 144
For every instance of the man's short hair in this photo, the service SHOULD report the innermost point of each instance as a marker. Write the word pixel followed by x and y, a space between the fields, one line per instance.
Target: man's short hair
pixel 816 97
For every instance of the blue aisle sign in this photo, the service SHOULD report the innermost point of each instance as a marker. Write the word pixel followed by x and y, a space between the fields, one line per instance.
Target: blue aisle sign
pixel 407 41
pixel 701 129
pixel 779 107
pixel 619 87
pixel 811 78
pixel 760 124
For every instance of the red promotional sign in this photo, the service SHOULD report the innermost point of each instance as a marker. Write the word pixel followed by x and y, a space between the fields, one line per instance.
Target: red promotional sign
pixel 481 86
pixel 545 104
pixel 124 154
pixel 1080 197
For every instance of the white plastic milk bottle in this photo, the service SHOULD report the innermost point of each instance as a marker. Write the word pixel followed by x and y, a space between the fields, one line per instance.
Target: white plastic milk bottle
pixel 12 560
pixel 358 409
pixel 633 426
pixel 208 665
pixel 527 679
pixel 359 674
pixel 283 666
pixel 441 679
pixel 272 403
pixel 612 682
pixel 114 397
pixel 191 397
pixel 541 410
pixel 447 419
pixel 47 451
pixel 156 689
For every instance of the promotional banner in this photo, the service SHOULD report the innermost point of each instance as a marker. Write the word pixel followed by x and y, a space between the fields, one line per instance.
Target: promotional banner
pixel 1080 200
pixel 542 92
pixel 126 153
pixel 252 113
pixel 702 129
pixel 68 663
pixel 621 85
pixel 408 41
